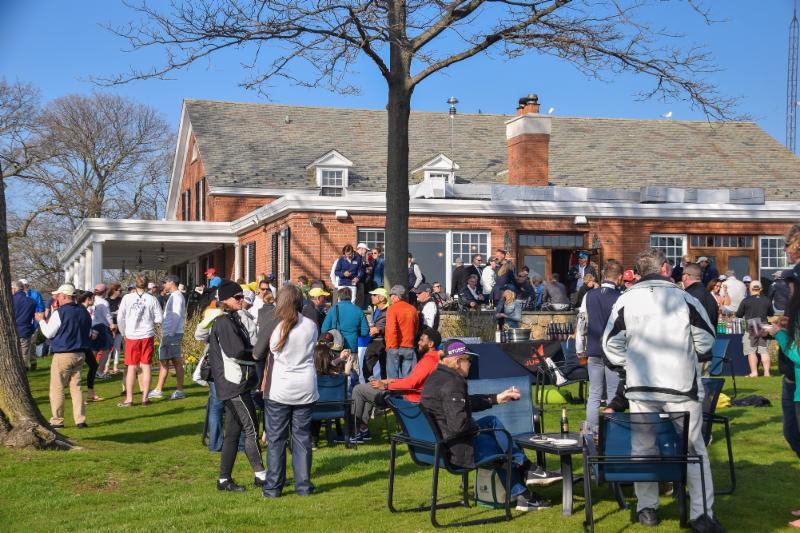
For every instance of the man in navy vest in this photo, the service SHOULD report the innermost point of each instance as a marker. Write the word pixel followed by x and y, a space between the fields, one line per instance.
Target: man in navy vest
pixel 24 309
pixel 592 320
pixel 68 331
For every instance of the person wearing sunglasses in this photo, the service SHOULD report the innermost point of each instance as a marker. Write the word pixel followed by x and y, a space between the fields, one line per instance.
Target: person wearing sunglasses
pixel 230 355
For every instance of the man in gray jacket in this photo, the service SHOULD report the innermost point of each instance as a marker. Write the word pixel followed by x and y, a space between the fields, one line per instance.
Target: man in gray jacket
pixel 656 331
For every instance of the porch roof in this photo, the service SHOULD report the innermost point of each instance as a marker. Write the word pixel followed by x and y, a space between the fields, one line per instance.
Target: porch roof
pixel 127 240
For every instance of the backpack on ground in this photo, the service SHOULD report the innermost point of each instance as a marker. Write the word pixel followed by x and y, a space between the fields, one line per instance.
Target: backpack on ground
pixel 489 490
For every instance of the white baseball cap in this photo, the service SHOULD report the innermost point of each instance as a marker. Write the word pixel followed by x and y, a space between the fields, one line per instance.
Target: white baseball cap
pixel 362 245
pixel 67 289
pixel 747 279
pixel 23 281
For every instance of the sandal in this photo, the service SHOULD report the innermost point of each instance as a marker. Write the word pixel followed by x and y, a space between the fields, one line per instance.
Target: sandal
pixel 95 398
pixel 125 404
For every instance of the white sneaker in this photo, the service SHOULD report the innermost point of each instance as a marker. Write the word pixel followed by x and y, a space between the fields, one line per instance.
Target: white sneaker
pixel 155 393
pixel 177 395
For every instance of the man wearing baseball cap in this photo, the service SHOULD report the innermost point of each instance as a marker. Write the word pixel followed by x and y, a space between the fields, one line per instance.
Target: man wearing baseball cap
pixel 446 398
pixel 709 272
pixel 628 279
pixel 214 281
pixel 367 395
pixel 428 310
pixel 402 324
pixel 315 308
pixel 171 340
pixel 376 316
pixel 68 331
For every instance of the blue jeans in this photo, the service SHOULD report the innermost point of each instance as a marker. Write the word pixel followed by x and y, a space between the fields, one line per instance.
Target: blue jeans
pixel 492 443
pixel 279 417
pixel 600 378
pixel 215 411
pixel 400 362
pixel 791 431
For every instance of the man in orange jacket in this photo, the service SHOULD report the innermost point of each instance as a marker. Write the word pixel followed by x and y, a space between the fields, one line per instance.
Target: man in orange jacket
pixel 402 324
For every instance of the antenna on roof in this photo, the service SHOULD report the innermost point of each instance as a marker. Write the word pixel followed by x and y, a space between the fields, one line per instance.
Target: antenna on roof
pixel 452 101
pixel 791 83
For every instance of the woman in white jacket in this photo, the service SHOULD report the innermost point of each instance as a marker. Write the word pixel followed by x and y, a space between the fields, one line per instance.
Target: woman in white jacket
pixel 290 390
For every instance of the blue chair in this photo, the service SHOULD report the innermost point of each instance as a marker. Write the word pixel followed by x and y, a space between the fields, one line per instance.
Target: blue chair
pixel 517 417
pixel 333 402
pixel 427 448
pixel 664 441
pixel 570 368
pixel 713 388
pixel 720 360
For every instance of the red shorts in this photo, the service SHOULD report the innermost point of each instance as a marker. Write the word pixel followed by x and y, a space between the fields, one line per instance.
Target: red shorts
pixel 139 351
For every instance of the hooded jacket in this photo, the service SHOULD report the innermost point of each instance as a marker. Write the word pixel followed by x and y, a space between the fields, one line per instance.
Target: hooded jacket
pixel 656 331
pixel 230 357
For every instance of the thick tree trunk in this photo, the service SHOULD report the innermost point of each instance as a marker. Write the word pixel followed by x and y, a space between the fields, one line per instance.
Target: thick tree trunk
pixel 396 269
pixel 399 110
pixel 21 423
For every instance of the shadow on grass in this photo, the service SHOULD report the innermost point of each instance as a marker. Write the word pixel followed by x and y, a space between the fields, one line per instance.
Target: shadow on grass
pixel 154 435
pixel 138 412
pixel 781 473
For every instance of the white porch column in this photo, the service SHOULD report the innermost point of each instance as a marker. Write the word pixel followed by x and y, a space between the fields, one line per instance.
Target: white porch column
pixel 88 282
pixel 76 269
pixel 237 263
pixel 97 264
pixel 81 271
pixel 68 273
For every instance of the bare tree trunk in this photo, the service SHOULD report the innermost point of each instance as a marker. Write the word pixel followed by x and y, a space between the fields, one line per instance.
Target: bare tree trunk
pixel 399 111
pixel 21 423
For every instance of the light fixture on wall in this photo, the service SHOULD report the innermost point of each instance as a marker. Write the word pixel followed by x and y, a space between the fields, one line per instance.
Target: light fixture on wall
pixel 341 214
pixel 139 261
pixel 580 220
pixel 313 221
pixel 123 267
pixel 595 242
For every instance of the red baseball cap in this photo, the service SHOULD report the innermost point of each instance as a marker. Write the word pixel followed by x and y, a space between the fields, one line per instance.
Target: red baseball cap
pixel 211 271
pixel 627 275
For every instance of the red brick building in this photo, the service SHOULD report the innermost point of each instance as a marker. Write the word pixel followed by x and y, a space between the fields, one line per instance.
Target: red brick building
pixel 271 188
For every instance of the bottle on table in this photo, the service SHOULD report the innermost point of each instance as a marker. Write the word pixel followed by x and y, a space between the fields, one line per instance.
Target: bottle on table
pixel 564 423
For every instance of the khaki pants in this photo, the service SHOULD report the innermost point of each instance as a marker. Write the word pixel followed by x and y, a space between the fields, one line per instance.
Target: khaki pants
pixel 27 350
pixel 66 371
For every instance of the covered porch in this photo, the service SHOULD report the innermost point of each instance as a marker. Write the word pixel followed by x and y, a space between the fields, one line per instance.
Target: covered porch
pixel 112 244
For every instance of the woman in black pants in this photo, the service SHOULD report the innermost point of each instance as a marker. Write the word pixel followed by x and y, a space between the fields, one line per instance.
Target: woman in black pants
pixel 86 299
pixel 230 356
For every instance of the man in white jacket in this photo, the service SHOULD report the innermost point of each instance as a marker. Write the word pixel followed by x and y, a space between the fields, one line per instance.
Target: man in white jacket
pixel 488 279
pixel 138 314
pixel 656 331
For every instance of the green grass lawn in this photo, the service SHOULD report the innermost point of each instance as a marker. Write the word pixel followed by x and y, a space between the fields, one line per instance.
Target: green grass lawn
pixel 144 468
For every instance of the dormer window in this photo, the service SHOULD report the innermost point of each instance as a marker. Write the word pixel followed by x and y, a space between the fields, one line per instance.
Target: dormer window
pixel 331 172
pixel 440 169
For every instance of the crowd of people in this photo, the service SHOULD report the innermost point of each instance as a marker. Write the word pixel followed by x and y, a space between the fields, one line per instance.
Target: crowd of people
pixel 267 345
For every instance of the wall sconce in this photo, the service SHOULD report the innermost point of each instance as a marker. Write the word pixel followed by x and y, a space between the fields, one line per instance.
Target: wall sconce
pixel 595 242
pixel 579 220
pixel 341 214
pixel 314 221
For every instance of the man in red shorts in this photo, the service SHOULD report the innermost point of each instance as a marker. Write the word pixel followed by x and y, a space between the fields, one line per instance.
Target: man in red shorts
pixel 138 314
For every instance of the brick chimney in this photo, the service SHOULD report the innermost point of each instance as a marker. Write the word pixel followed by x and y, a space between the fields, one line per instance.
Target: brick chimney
pixel 528 139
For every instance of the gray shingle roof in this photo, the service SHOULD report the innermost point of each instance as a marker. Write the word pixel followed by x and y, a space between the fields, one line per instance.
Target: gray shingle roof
pixel 252 145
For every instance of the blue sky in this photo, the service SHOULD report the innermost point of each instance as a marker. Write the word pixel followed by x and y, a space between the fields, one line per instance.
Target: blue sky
pixel 57 45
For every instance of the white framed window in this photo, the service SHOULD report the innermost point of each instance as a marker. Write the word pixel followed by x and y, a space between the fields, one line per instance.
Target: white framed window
pixel 436 251
pixel 331 171
pixel 448 177
pixel 440 167
pixel 468 243
pixel 771 256
pixel 332 181
pixel 673 246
